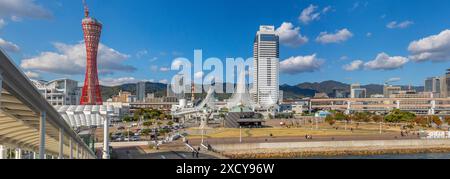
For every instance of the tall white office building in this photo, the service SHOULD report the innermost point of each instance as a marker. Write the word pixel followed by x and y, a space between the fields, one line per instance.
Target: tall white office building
pixel 266 67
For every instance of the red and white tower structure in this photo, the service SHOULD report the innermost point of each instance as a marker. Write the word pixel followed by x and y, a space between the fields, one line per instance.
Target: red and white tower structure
pixel 92 29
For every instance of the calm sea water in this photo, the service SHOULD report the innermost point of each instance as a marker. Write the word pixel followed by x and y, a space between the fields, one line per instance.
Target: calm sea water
pixel 396 156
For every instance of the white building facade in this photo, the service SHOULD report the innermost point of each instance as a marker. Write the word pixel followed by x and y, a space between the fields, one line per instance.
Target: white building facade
pixel 59 92
pixel 266 67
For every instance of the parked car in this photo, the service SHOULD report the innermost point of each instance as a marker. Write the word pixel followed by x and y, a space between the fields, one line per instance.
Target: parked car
pixel 135 138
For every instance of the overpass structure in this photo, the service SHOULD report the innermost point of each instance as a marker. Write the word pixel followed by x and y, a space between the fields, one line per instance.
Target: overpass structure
pixel 29 125
pixel 421 106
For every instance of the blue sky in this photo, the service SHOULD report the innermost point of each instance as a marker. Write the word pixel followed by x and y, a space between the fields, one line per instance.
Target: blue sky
pixel 141 37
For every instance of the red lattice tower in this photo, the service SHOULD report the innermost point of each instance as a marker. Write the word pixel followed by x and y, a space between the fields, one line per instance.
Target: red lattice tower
pixel 92 29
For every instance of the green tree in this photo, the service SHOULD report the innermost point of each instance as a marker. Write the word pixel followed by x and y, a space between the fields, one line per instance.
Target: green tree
pixel 397 115
pixel 339 116
pixel 170 123
pixel 447 119
pixel 146 132
pixel 148 123
pixel 436 120
pixel 330 119
pixel 422 121
pixel 377 118
pixel 362 117
pixel 128 119
pixel 162 116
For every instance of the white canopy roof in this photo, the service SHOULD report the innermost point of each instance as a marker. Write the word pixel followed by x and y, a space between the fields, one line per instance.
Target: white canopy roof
pixel 85 115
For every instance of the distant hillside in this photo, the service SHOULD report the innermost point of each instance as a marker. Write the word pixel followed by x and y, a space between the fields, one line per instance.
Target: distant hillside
pixel 324 87
pixel 328 86
pixel 109 91
pixel 301 90
pixel 296 92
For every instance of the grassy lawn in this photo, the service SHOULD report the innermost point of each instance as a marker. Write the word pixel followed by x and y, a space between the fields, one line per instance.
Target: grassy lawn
pixel 279 132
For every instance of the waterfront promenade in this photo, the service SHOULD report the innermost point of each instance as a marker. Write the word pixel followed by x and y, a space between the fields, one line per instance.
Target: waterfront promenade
pixel 331 148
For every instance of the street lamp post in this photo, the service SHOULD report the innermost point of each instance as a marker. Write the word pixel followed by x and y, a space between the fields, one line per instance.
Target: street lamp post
pixel 128 133
pixel 203 132
pixel 381 127
pixel 240 134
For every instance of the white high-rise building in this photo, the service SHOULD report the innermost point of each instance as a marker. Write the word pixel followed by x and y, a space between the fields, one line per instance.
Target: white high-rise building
pixel 266 67
pixel 357 92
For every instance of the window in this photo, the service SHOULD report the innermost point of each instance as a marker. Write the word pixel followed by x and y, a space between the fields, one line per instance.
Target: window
pixel 269 38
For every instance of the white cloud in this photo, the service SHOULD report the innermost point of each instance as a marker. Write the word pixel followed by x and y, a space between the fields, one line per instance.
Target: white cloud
pixel 311 13
pixel 18 9
pixel 326 9
pixel 118 81
pixel 164 69
pixel 338 37
pixel 71 60
pixel 435 48
pixel 344 58
pixel 385 62
pixel 382 62
pixel 401 25
pixel 358 4
pixel 355 65
pixel 2 23
pixel 141 53
pixel 369 34
pixel 153 59
pixel 301 64
pixel 9 46
pixel 32 75
pixel 199 75
pixel 394 79
pixel 290 35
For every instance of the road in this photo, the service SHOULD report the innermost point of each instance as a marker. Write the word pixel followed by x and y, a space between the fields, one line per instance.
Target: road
pixel 138 153
pixel 301 139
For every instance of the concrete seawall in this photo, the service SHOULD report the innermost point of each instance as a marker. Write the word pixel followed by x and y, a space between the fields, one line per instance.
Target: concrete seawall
pixel 331 148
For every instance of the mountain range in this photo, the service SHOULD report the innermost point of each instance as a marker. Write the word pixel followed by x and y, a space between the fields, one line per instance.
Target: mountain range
pixel 301 90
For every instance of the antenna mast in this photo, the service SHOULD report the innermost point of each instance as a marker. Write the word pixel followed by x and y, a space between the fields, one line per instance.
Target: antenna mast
pixel 86 9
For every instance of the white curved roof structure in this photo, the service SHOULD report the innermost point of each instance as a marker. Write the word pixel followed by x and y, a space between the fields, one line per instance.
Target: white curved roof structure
pixel 85 115
pixel 28 122
pixel 241 96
